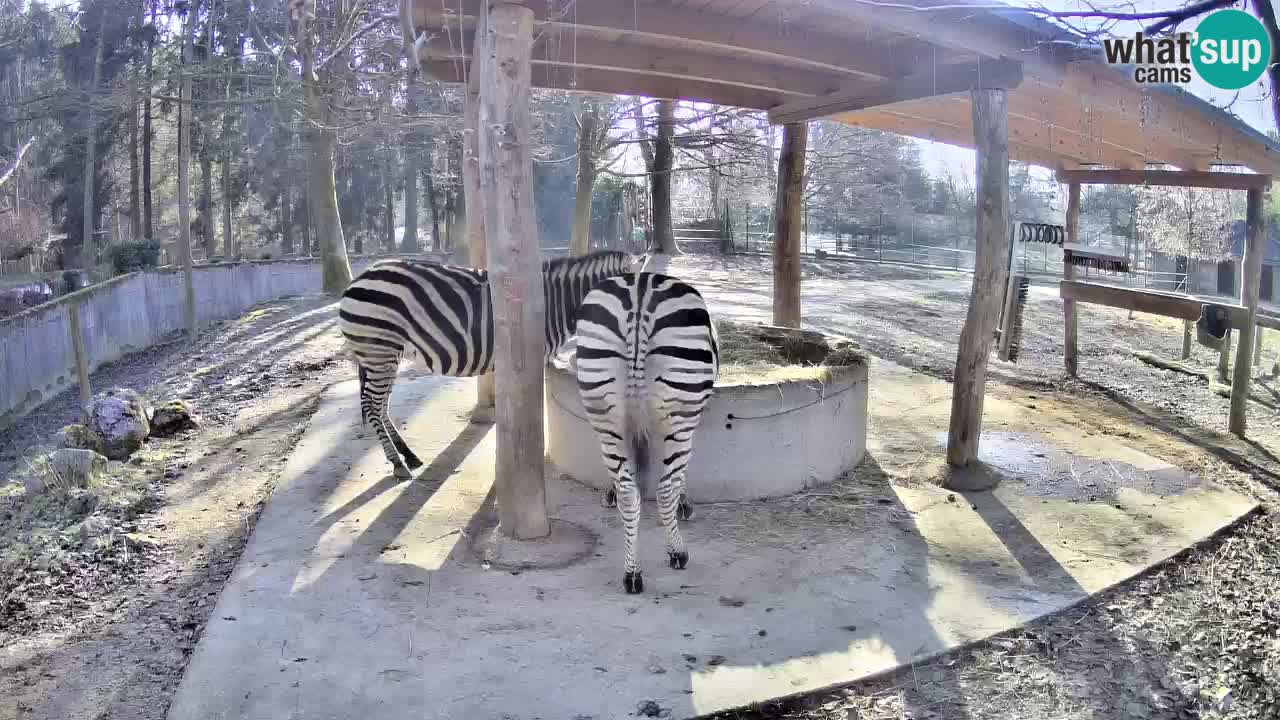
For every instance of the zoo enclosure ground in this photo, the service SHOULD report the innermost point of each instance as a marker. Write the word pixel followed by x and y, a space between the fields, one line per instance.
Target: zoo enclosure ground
pixel 1197 638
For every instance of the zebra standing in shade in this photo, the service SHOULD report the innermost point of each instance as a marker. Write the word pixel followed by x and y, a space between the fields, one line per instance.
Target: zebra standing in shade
pixel 444 315
pixel 647 361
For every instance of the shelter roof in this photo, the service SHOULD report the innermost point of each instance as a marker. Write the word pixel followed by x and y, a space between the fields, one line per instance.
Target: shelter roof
pixel 878 64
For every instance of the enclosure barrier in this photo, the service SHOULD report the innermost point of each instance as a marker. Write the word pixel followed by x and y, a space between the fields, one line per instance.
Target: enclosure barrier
pixel 41 356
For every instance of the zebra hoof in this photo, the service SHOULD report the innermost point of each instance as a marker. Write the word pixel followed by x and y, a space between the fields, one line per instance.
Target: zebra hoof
pixel 679 560
pixel 412 461
pixel 402 473
pixel 684 510
pixel 610 499
pixel 633 582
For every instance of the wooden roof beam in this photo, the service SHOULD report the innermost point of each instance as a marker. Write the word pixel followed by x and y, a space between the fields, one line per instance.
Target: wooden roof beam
pixel 963 77
pixel 1169 178
pixel 628 56
pixel 696 30
pixel 951 135
pixel 958 29
pixel 611 82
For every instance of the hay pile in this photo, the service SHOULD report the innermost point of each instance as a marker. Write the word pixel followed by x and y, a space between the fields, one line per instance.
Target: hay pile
pixel 760 355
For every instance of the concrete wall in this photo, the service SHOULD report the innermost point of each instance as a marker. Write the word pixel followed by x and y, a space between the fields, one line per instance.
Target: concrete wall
pixel 753 442
pixel 131 313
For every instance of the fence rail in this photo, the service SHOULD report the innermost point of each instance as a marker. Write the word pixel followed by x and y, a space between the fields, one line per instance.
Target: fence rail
pixel 40 357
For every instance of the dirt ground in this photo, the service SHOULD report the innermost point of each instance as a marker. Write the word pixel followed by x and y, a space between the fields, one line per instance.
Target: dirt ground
pixel 107 633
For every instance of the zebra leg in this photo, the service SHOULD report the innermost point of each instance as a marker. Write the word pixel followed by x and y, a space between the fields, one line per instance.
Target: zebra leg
pixel 610 498
pixel 375 388
pixel 402 447
pixel 670 491
pixel 628 496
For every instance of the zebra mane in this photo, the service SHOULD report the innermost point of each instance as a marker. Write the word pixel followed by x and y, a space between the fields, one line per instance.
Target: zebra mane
pixel 612 262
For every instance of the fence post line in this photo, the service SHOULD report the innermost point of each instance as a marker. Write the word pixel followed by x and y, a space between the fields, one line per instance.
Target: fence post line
pixel 81 359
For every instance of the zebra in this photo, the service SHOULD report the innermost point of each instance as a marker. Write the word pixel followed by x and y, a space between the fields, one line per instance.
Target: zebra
pixel 647 361
pixel 443 314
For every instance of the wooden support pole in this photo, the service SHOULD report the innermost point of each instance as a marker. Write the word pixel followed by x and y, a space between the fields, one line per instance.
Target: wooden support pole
pixel 1255 243
pixel 75 328
pixel 1224 358
pixel 1186 338
pixel 1147 301
pixel 475 238
pixel 1069 306
pixel 515 274
pixel 1257 344
pixel 787 218
pixel 991 141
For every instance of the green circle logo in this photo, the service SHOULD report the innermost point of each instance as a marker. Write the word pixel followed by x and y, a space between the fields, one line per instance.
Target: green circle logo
pixel 1232 49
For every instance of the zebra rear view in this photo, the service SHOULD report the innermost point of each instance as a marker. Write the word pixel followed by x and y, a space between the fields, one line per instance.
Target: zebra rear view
pixel 647 364
pixel 444 315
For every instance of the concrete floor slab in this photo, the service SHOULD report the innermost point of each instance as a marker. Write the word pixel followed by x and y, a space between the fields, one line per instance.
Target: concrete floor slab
pixel 361 597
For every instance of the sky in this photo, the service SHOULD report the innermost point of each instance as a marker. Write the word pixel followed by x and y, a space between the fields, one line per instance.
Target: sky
pixel 1252 104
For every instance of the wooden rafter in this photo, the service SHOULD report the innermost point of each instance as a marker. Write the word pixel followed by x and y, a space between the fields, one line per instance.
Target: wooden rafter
pixel 987 74
pixel 694 29
pixel 1168 178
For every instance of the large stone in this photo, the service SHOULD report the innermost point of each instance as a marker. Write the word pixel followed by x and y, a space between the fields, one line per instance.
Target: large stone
pixel 80 437
pixel 75 467
pixel 171 418
pixel 122 419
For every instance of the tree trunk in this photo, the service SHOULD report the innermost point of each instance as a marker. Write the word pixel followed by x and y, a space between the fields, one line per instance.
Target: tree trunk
pixel 135 209
pixel 184 168
pixel 322 201
pixel 664 237
pixel 1250 287
pixel 412 151
pixel 230 248
pixel 88 256
pixel 580 239
pixel 786 246
pixel 436 240
pixel 473 208
pixel 286 218
pixel 514 271
pixel 1069 319
pixel 388 213
pixel 147 232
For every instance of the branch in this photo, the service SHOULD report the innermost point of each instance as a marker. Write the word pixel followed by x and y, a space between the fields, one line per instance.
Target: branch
pixel 1268 15
pixel 1190 11
pixel 8 173
pixel 368 28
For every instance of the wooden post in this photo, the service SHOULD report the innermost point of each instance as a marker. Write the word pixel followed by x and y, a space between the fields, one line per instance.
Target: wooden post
pixel 1069 306
pixel 787 218
pixel 515 274
pixel 475 237
pixel 1186 339
pixel 1257 344
pixel 1224 358
pixel 1255 243
pixel 991 141
pixel 81 358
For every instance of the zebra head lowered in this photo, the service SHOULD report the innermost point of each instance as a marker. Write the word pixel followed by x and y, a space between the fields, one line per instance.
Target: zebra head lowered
pixel 443 315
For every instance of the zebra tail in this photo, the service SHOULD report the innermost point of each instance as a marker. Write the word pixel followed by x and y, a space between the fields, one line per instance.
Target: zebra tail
pixel 637 432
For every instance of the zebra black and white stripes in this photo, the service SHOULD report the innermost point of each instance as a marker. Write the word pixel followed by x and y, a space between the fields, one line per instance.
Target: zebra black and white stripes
pixel 444 315
pixel 647 362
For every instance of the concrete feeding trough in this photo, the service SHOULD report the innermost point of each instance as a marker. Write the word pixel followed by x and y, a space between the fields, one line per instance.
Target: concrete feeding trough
pixel 789 413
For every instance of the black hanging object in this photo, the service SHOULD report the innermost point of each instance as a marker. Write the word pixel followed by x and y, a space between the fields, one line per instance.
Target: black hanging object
pixel 1080 257
pixel 1022 285
pixel 1211 328
pixel 1042 233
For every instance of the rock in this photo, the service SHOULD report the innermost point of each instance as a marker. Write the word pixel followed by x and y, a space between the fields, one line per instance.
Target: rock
pixel 122 419
pixel 648 708
pixel 141 542
pixel 90 529
pixel 80 437
pixel 75 468
pixel 171 418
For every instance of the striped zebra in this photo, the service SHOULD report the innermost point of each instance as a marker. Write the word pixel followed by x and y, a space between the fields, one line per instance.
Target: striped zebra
pixel 444 315
pixel 647 361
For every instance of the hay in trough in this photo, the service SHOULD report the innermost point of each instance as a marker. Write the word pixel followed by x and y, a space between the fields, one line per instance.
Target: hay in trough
pixel 766 355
